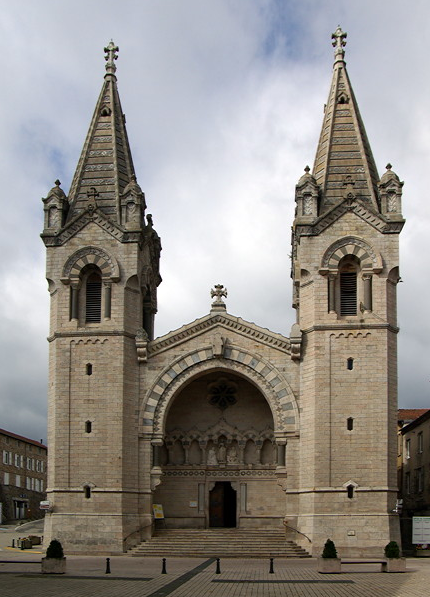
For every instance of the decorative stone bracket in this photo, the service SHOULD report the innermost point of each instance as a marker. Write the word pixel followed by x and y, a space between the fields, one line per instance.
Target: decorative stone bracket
pixel 296 342
pixel 142 345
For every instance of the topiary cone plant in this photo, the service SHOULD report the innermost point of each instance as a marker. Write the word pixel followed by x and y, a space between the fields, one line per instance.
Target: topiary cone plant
pixel 392 550
pixel 55 550
pixel 329 563
pixel 54 562
pixel 329 550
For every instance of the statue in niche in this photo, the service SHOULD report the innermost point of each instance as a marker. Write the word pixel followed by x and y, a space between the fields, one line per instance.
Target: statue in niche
pixel 221 452
pixel 232 457
pixel 212 459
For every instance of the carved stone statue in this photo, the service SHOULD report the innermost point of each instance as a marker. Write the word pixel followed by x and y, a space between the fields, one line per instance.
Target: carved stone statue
pixel 212 459
pixel 221 452
pixel 232 455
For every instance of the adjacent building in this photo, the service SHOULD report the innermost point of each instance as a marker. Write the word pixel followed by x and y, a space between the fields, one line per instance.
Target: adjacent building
pixel 414 469
pixel 23 474
pixel 222 422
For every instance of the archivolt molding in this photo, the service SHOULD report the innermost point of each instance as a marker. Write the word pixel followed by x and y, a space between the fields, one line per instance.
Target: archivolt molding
pixel 107 264
pixel 351 245
pixel 261 373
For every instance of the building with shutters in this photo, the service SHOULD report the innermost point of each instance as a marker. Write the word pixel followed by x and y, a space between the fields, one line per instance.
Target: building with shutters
pixel 23 474
pixel 224 423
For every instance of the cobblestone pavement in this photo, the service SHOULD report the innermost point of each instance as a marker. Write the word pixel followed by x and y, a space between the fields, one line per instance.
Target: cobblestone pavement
pixel 141 577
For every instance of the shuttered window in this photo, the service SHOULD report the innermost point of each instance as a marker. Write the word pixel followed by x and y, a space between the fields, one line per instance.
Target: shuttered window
pixel 93 305
pixel 348 293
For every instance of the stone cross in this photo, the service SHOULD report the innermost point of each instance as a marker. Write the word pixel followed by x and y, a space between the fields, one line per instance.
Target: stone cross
pixel 110 51
pixel 338 43
pixel 219 292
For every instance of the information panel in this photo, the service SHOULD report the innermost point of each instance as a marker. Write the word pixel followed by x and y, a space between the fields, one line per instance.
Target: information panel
pixel 158 510
pixel 420 529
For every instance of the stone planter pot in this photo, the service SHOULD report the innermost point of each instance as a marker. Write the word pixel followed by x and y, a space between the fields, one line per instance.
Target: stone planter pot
pixel 53 565
pixel 328 565
pixel 396 565
pixel 422 553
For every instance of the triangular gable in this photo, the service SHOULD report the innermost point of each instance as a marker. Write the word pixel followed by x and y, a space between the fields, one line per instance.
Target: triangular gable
pixel 225 322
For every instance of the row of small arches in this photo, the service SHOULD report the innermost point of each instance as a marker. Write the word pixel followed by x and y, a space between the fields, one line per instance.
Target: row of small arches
pixel 212 453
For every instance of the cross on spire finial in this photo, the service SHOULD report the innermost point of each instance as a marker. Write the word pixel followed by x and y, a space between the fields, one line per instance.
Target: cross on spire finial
pixel 338 44
pixel 110 51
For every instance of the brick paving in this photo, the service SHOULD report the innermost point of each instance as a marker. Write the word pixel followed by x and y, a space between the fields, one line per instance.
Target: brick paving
pixel 187 577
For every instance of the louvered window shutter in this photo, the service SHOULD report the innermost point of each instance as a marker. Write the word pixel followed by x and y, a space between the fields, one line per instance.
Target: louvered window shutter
pixel 348 293
pixel 93 306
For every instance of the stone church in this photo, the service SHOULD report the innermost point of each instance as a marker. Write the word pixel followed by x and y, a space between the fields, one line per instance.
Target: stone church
pixel 222 423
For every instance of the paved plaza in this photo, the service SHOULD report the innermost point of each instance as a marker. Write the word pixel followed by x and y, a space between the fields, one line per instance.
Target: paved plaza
pixel 20 576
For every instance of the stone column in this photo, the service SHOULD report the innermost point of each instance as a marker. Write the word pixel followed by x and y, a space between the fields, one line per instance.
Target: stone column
pixel 108 299
pixel 367 284
pixel 332 293
pixel 74 291
pixel 155 455
pixel 281 448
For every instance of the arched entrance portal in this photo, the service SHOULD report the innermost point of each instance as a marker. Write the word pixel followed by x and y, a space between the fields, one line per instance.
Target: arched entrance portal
pixel 222 505
pixel 218 458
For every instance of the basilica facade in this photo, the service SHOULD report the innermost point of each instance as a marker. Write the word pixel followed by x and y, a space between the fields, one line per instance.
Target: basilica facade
pixel 222 423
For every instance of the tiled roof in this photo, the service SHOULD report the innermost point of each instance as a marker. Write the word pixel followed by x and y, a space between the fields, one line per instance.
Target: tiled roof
pixel 23 439
pixel 410 414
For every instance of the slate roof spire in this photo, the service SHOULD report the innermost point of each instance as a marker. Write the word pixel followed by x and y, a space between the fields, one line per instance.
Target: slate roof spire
pixel 105 168
pixel 344 162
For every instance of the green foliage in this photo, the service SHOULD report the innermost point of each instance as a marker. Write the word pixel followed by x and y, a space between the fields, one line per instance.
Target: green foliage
pixel 55 550
pixel 392 550
pixel 329 550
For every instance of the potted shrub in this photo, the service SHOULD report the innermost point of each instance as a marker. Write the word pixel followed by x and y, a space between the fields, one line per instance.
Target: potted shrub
pixel 394 562
pixel 329 563
pixel 54 562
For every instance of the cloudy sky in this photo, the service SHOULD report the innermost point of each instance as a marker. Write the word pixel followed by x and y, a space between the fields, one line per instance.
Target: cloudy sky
pixel 224 104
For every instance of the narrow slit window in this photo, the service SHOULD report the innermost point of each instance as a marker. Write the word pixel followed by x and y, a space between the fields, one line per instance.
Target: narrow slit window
pixel 89 369
pixel 88 427
pixel 350 423
pixel 350 490
pixel 93 305
pixel 87 491
pixel 350 364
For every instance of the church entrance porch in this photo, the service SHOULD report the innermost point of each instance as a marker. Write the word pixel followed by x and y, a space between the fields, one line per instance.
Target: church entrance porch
pixel 217 463
pixel 222 505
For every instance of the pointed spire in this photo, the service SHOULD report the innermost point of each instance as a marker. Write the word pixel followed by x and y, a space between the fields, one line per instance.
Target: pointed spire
pixel 105 168
pixel 344 163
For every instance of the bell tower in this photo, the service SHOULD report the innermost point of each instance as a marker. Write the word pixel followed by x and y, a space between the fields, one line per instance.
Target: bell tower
pixel 103 271
pixel 345 268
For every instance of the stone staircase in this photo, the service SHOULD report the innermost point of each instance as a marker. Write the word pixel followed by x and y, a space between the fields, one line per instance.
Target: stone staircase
pixel 219 543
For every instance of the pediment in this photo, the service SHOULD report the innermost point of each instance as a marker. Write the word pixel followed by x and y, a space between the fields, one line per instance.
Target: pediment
pixel 357 207
pixel 224 325
pixel 82 220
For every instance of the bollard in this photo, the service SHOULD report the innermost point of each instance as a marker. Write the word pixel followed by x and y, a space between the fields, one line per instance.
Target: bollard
pixel 107 566
pixel 218 568
pixel 163 569
pixel 13 542
pixel 271 571
pixel 22 544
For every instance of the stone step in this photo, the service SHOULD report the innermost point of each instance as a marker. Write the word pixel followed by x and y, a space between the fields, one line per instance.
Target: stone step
pixel 218 543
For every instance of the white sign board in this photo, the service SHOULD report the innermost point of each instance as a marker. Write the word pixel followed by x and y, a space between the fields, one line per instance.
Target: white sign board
pixel 420 529
pixel 158 510
pixel 45 505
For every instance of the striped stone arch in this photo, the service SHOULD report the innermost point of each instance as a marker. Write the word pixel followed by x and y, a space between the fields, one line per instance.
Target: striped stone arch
pixel 106 263
pixel 351 245
pixel 258 371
